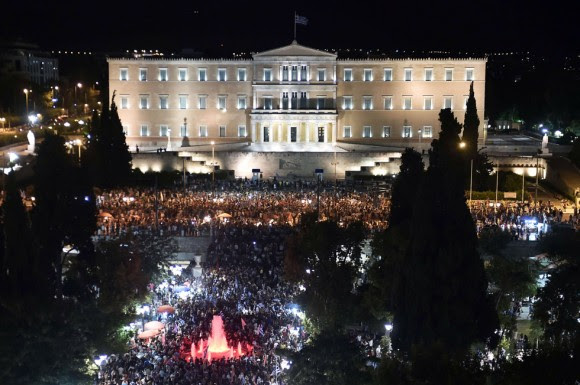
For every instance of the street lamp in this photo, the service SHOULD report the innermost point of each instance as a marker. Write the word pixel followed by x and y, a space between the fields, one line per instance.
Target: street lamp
pixel 463 145
pixel 78 142
pixel 26 92
pixel 212 162
pixel 79 86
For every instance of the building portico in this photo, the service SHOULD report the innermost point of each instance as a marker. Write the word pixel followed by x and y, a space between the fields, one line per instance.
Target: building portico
pixel 293 128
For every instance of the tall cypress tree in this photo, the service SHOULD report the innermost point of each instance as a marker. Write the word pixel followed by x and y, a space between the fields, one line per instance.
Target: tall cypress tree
pixel 442 299
pixel 471 125
pixel 120 157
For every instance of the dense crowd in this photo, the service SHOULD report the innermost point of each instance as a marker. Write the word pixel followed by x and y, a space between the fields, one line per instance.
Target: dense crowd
pixel 190 213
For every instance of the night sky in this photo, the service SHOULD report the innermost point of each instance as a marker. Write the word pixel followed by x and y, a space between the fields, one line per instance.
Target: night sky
pixel 257 25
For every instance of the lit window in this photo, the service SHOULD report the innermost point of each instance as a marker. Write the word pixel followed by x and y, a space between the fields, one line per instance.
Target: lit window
pixel 367 103
pixel 221 75
pixel 202 102
pixel 183 130
pixel 386 131
pixel 268 102
pixel 348 75
pixel 294 73
pixel 303 73
pixel 428 105
pixel 163 130
pixel 163 104
pixel 388 102
pixel 321 74
pixel 202 75
pixel 142 74
pixel 203 131
pixel 267 74
pixel 124 74
pixel 222 131
pixel 242 131
pixel 347 102
pixel 124 102
pixel 241 102
pixel 388 75
pixel 448 102
pixel 407 103
pixel 285 73
pixel 143 102
pixel 221 103
pixel 347 132
pixel 320 102
pixel 241 74
pixel 182 74
pixel 448 74
pixel 368 75
pixel 408 74
pixel 427 132
pixel 162 74
pixel 407 131
pixel 428 74
pixel 183 102
pixel 144 130
pixel 469 74
pixel 367 132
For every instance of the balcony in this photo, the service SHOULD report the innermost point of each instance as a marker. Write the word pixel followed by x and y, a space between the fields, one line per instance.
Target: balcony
pixel 289 104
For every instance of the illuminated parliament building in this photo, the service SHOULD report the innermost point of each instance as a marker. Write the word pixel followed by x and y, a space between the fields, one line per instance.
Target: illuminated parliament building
pixel 290 95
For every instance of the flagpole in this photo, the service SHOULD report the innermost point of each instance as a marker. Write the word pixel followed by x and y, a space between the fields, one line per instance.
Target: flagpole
pixel 294 25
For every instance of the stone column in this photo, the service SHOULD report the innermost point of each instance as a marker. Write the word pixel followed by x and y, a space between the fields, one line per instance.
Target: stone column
pixel 307 131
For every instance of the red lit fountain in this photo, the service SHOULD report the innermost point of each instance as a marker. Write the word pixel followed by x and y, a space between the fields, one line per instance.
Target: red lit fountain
pixel 216 346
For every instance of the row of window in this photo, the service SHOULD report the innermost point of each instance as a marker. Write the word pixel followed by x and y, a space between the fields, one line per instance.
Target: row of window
pixel 407 102
pixel 407 132
pixel 294 73
pixel 183 102
pixel 202 131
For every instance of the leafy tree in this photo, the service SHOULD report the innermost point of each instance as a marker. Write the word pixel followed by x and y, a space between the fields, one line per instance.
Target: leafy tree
pixel 471 125
pixel 442 298
pixel 482 169
pixel 406 186
pixel 575 153
pixel 330 358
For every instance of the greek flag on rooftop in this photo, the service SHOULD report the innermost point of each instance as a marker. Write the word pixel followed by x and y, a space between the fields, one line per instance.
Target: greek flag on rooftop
pixel 301 20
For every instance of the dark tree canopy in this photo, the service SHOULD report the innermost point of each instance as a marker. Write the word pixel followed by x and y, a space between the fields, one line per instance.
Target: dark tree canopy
pixel 471 125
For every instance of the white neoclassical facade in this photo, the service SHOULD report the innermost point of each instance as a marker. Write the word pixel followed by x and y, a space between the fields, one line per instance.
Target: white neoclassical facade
pixel 290 95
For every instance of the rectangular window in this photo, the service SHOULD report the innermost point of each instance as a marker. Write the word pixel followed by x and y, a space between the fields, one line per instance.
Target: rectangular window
pixel 163 104
pixel 408 74
pixel 202 102
pixel 163 74
pixel 268 102
pixel 388 102
pixel 348 75
pixel 163 130
pixel 221 75
pixel 347 102
pixel 142 74
pixel 124 102
pixel 241 74
pixel 303 73
pixel 203 131
pixel 294 73
pixel 183 130
pixel 242 131
pixel 427 132
pixel 367 103
pixel 222 131
pixel 388 75
pixel 124 74
pixel 465 98
pixel 320 105
pixel 321 74
pixel 144 130
pixel 428 103
pixel 407 103
pixel 285 73
pixel 143 102
pixel 347 132
pixel 202 75
pixel 368 75
pixel 367 132
pixel 407 132
pixel 267 74
pixel 182 74
pixel 183 102
pixel 221 105
pixel 386 131
pixel 241 102
pixel 428 74
pixel 448 102
pixel 469 74
pixel 448 74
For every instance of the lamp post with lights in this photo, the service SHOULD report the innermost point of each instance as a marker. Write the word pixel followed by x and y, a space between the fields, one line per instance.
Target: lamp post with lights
pixel 26 92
